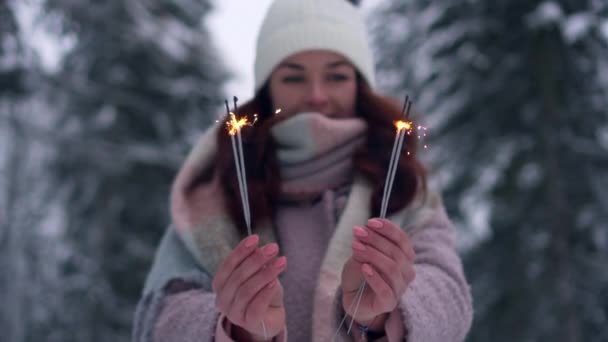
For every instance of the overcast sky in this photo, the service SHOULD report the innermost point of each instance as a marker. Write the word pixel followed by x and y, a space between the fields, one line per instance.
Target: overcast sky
pixel 236 39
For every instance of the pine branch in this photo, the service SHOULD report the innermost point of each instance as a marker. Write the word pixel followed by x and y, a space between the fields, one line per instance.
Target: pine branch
pixel 99 151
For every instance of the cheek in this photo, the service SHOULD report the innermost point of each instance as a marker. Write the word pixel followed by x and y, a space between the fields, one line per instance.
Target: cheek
pixel 285 101
pixel 348 98
pixel 282 97
pixel 277 95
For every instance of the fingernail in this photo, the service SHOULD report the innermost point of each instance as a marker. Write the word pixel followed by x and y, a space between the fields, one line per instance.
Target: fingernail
pixel 358 231
pixel 251 241
pixel 368 270
pixel 375 223
pixel 280 263
pixel 359 246
pixel 270 250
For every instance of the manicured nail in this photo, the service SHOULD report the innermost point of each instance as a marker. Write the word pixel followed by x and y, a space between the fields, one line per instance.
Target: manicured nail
pixel 270 250
pixel 280 262
pixel 374 223
pixel 360 232
pixel 251 241
pixel 368 270
pixel 359 246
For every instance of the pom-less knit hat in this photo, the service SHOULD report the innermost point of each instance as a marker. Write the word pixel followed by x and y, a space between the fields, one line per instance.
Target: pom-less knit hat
pixel 293 26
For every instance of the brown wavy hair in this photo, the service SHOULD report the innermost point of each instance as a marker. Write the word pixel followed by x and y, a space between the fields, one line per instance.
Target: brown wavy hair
pixel 371 159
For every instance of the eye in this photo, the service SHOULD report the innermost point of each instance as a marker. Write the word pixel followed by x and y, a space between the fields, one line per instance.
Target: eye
pixel 293 79
pixel 337 77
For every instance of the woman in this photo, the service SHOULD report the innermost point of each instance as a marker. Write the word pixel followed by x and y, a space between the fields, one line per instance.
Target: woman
pixel 316 174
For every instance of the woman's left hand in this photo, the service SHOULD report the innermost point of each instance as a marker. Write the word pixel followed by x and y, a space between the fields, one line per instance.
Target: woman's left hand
pixel 384 258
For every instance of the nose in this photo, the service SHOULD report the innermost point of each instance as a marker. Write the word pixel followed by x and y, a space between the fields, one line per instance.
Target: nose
pixel 317 95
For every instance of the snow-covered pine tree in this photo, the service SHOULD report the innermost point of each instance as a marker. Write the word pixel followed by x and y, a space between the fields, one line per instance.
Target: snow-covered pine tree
pixel 28 258
pixel 515 93
pixel 140 82
pixel 13 268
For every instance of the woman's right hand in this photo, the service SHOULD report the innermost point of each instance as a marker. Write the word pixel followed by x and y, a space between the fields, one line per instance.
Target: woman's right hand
pixel 248 290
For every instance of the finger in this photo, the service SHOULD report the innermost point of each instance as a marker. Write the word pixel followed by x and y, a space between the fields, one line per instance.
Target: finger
pixel 277 298
pixel 244 271
pixel 261 302
pixel 371 238
pixel 238 254
pixel 384 299
pixel 253 285
pixel 394 234
pixel 389 270
pixel 351 276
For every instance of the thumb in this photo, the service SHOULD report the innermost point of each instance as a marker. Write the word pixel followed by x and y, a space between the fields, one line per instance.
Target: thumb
pixel 351 276
pixel 277 297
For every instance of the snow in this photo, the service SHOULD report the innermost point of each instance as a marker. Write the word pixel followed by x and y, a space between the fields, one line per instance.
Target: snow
pixel 49 47
pixel 430 16
pixel 602 137
pixel 105 117
pixel 546 13
pixel 577 26
pixel 477 210
pixel 529 176
pixel 171 36
pixel 604 29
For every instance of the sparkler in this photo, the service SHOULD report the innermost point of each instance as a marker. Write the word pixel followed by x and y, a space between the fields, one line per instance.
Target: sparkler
pixel 404 127
pixel 234 126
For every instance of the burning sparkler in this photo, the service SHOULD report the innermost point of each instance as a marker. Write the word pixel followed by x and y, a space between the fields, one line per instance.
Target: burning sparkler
pixel 234 126
pixel 404 127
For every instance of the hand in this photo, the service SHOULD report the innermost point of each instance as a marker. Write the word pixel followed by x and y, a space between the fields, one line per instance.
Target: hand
pixel 384 258
pixel 248 291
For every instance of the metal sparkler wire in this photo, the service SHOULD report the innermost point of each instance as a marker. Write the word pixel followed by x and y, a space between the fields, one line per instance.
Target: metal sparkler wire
pixel 402 127
pixel 237 150
pixel 397 146
pixel 391 165
pixel 247 210
pixel 361 288
pixel 239 160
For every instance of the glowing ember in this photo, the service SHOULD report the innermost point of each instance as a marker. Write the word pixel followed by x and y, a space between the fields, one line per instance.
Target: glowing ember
pixel 403 125
pixel 235 124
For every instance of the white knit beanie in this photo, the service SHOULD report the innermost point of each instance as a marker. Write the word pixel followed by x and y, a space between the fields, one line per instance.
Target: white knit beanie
pixel 292 26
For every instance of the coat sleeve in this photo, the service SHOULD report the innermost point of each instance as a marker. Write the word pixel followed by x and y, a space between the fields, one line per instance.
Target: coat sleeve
pixel 190 316
pixel 437 306
pixel 177 302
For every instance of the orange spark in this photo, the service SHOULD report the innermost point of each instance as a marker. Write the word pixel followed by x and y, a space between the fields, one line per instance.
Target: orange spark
pixel 235 124
pixel 403 125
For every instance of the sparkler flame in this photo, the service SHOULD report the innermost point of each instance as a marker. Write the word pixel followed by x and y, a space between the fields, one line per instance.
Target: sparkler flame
pixel 403 125
pixel 234 125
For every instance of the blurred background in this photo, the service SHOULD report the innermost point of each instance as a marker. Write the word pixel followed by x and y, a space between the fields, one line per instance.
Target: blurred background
pixel 101 100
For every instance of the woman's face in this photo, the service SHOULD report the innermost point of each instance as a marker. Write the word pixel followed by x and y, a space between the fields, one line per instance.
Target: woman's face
pixel 315 81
